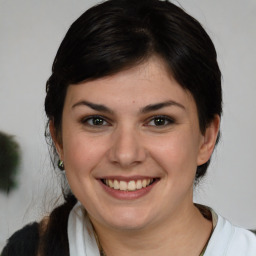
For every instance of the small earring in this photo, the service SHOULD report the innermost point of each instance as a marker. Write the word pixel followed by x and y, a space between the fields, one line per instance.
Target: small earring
pixel 61 165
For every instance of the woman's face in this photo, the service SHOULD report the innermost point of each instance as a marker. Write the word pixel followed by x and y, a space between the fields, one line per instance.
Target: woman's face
pixel 131 145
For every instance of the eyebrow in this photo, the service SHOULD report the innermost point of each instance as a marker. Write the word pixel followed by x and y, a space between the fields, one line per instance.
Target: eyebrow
pixel 146 109
pixel 97 107
pixel 157 106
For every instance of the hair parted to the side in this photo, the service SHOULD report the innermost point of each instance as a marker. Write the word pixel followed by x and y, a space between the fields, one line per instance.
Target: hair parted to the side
pixel 118 34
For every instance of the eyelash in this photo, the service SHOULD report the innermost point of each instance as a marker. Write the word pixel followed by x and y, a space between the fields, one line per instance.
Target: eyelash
pixel 103 122
pixel 94 118
pixel 167 121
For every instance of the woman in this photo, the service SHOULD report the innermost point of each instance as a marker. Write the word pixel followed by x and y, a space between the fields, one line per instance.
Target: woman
pixel 134 105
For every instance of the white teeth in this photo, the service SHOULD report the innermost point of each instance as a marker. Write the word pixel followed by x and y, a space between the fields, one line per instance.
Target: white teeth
pixel 123 185
pixel 128 186
pixel 131 185
pixel 139 184
pixel 116 184
pixel 110 183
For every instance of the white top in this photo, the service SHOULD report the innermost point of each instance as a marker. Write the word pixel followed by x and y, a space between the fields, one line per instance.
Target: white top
pixel 229 240
pixel 226 239
pixel 80 234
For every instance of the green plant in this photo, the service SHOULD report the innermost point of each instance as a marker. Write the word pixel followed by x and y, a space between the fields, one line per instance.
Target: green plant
pixel 9 162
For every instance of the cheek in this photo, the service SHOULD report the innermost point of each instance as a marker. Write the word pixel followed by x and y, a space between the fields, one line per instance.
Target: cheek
pixel 82 153
pixel 177 153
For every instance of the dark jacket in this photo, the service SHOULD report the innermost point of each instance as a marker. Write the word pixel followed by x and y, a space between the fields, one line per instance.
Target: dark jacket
pixel 23 242
pixel 53 240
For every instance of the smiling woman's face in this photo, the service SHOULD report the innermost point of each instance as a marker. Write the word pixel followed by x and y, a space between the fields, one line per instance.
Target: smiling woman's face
pixel 131 145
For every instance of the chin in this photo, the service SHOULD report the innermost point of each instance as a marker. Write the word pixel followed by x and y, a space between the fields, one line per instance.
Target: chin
pixel 127 219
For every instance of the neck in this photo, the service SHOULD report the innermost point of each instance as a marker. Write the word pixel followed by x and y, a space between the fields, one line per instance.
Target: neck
pixel 183 234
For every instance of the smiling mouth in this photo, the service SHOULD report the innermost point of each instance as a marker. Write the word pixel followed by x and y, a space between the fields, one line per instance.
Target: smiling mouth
pixel 131 185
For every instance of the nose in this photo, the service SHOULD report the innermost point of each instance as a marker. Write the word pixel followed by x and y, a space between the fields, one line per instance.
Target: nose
pixel 127 148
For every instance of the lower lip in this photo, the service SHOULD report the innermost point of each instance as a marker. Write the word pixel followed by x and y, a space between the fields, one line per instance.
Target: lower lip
pixel 127 195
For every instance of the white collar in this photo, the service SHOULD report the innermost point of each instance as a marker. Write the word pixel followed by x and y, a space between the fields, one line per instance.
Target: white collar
pixel 80 234
pixel 225 240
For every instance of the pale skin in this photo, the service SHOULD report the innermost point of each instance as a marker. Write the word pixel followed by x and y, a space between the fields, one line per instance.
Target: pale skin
pixel 137 123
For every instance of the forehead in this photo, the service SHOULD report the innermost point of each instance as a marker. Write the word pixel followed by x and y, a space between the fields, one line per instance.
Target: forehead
pixel 144 84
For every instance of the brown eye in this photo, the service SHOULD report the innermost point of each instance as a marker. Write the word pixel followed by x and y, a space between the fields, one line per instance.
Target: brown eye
pixel 160 121
pixel 95 121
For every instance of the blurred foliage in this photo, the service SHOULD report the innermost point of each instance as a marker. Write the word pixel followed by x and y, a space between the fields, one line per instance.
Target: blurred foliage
pixel 9 162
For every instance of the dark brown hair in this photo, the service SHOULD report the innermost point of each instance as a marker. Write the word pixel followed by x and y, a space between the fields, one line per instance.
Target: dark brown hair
pixel 118 34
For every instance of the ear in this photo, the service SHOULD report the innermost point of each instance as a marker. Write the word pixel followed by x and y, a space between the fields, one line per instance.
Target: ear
pixel 208 141
pixel 56 140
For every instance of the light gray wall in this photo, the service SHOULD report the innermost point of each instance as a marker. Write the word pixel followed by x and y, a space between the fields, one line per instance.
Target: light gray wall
pixel 30 33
